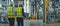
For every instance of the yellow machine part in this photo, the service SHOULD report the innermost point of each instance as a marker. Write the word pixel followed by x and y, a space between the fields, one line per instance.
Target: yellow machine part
pixel 45 7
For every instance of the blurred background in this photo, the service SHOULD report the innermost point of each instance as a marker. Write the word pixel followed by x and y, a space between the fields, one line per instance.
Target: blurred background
pixel 37 12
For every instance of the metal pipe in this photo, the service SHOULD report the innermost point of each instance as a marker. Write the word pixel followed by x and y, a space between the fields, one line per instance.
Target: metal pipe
pixel 45 7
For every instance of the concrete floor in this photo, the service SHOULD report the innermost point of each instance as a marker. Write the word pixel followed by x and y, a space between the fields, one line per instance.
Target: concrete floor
pixel 3 24
pixel 51 24
pixel 27 22
pixel 43 25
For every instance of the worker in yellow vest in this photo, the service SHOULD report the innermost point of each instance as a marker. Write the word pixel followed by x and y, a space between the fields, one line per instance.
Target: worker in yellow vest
pixel 20 15
pixel 11 16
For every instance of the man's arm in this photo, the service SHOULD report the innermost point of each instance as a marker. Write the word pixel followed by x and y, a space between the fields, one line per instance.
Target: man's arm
pixel 23 13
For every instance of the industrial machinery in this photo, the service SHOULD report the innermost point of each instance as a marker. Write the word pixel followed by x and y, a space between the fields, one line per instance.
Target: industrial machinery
pixel 52 11
pixel 37 8
pixel 3 15
pixel 36 18
pixel 3 11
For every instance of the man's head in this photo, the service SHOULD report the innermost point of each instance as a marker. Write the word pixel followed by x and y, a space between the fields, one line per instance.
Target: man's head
pixel 20 5
pixel 11 5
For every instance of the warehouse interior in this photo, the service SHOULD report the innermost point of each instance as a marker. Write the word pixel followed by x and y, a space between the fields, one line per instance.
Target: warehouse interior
pixel 37 12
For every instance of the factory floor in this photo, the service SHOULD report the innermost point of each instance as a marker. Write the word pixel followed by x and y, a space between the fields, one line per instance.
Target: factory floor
pixel 44 24
pixel 34 21
pixel 51 24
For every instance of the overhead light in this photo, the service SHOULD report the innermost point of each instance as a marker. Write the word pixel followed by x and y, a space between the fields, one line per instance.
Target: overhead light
pixel 12 0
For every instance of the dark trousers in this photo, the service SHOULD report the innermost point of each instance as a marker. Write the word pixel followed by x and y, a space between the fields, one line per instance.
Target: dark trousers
pixel 20 21
pixel 11 21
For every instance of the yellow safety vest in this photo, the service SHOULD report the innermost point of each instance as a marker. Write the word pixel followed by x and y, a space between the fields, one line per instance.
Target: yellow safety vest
pixel 10 12
pixel 19 12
